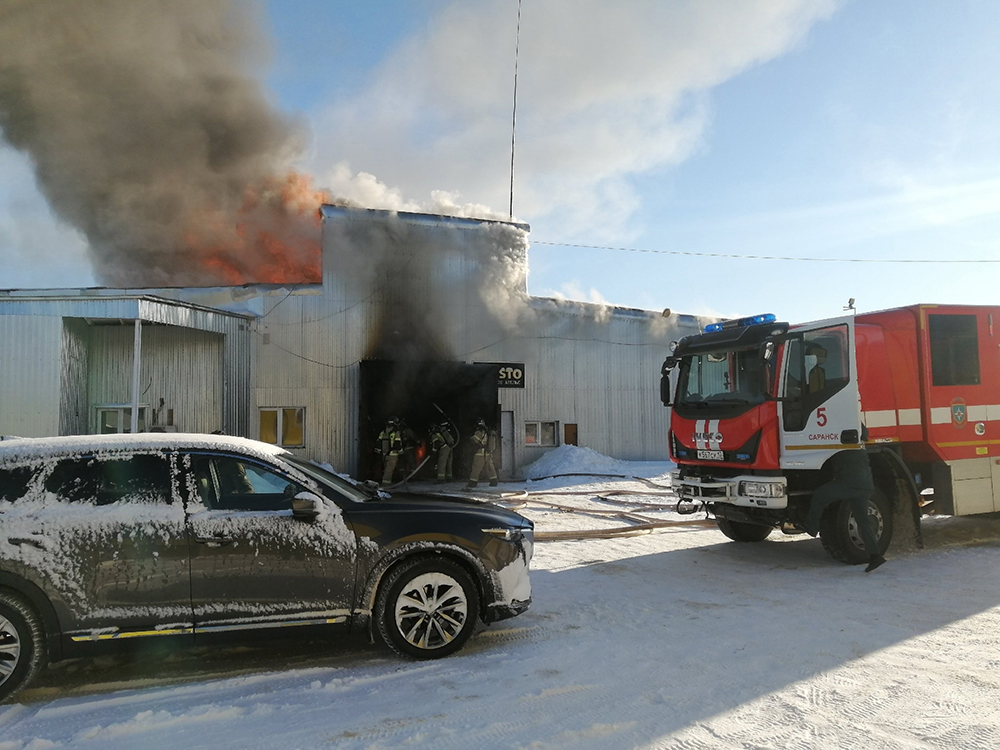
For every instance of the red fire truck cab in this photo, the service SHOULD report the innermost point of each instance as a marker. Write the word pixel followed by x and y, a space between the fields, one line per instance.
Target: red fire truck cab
pixel 760 407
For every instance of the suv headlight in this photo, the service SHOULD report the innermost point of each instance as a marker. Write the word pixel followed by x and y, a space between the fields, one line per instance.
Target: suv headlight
pixel 762 489
pixel 508 535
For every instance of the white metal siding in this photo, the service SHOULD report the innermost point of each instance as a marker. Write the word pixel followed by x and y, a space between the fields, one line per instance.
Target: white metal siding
pixel 181 366
pixel 74 412
pixel 29 374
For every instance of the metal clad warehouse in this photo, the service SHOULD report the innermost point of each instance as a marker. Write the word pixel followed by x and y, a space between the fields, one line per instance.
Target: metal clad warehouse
pixel 417 315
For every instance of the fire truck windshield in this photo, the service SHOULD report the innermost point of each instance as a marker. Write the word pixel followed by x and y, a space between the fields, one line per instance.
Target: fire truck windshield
pixel 722 379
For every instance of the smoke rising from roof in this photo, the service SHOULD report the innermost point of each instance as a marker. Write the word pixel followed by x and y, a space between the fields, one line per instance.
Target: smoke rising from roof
pixel 149 132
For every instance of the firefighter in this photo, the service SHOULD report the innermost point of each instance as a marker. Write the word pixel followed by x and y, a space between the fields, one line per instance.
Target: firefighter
pixel 410 442
pixel 852 482
pixel 817 375
pixel 484 442
pixel 390 445
pixel 443 440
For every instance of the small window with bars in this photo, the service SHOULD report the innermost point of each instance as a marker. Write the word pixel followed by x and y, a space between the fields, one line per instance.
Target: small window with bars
pixel 541 433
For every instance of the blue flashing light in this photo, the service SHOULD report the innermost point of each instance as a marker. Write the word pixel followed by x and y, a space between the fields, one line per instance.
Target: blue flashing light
pixel 742 456
pixel 753 320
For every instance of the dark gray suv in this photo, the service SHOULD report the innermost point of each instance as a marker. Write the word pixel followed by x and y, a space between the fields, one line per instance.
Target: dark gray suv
pixel 109 538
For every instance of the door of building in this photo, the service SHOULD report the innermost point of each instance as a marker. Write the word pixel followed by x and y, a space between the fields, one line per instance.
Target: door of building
pixel 506 445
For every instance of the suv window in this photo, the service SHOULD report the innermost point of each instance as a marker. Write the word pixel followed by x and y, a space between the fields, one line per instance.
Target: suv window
pixel 14 482
pixel 142 478
pixel 227 483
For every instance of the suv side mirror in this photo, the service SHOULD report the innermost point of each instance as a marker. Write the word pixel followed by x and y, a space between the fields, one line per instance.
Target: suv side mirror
pixel 306 506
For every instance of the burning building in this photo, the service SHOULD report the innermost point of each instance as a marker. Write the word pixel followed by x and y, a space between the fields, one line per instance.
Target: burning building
pixel 418 316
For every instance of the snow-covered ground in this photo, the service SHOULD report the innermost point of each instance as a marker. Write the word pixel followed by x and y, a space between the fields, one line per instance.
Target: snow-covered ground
pixel 676 638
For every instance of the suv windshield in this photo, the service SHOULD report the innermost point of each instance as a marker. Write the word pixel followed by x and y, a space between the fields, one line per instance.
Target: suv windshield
pixel 722 378
pixel 343 486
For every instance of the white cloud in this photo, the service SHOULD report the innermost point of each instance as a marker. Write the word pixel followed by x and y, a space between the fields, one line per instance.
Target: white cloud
pixel 605 91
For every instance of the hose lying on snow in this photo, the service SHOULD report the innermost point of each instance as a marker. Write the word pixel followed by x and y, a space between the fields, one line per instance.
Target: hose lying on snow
pixel 637 524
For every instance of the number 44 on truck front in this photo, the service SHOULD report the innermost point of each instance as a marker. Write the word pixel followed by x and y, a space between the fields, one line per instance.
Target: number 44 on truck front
pixel 760 408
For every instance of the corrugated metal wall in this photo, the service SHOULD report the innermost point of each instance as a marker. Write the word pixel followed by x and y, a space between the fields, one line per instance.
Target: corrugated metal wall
pixel 183 367
pixel 599 370
pixel 237 357
pixel 74 411
pixel 195 345
pixel 29 374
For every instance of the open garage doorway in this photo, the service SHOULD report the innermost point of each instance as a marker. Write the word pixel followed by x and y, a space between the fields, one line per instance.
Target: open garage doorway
pixel 423 394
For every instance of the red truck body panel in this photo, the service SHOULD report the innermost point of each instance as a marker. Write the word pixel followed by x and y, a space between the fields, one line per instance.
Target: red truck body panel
pixel 934 422
pixel 735 433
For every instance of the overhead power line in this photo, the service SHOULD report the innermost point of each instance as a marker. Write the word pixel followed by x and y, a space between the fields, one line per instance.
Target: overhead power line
pixel 764 257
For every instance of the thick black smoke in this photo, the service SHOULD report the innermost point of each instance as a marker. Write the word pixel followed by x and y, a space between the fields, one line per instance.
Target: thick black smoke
pixel 144 122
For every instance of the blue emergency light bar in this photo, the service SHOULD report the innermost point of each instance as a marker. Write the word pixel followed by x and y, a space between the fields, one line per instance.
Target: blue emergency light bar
pixel 753 320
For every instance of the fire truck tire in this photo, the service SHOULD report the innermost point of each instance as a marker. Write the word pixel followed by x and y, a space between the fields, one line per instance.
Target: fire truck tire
pixel 839 532
pixel 743 532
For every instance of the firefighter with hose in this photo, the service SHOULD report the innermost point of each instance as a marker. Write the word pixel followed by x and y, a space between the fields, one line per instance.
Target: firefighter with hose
pixel 443 442
pixel 390 445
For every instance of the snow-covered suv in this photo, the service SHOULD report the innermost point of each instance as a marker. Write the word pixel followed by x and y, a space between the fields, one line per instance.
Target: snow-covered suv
pixel 116 537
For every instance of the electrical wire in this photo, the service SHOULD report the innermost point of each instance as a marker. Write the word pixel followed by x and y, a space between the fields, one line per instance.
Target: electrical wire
pixel 762 257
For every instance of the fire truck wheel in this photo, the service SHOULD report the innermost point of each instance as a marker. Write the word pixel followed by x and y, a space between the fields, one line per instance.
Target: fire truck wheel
pixel 839 533
pixel 743 532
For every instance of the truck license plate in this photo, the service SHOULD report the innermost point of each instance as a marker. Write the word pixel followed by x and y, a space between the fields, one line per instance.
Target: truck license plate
pixel 711 455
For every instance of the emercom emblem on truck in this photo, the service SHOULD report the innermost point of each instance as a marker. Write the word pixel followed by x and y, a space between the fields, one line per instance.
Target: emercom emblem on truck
pixel 958 412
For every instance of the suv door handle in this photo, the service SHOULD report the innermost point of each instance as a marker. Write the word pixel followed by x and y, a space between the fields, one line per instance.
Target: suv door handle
pixel 19 540
pixel 214 541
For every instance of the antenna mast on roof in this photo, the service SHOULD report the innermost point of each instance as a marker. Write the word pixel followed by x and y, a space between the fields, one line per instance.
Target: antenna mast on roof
pixel 513 117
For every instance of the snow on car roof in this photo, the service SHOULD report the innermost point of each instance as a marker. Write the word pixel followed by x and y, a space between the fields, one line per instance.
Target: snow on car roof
pixel 27 448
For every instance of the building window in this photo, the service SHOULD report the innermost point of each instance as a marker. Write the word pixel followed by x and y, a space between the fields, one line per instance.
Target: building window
pixel 117 418
pixel 284 426
pixel 541 433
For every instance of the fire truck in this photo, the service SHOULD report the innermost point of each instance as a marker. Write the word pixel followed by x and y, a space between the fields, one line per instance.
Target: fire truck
pixel 759 407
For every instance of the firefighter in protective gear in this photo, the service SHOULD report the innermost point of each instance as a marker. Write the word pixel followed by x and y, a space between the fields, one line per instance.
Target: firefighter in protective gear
pixel 390 445
pixel 484 442
pixel 443 441
pixel 852 482
pixel 410 442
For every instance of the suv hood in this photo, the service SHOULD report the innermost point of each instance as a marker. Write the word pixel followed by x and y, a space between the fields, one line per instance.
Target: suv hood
pixel 412 501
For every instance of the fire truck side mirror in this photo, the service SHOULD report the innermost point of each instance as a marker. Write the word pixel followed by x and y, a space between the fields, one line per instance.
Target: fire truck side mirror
pixel 767 351
pixel 668 365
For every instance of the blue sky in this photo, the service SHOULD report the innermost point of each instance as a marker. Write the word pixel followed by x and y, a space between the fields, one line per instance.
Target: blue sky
pixel 798 128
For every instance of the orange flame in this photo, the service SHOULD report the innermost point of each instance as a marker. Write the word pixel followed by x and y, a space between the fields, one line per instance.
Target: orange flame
pixel 274 237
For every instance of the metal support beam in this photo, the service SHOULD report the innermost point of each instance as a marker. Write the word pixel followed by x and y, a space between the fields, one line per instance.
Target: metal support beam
pixel 136 374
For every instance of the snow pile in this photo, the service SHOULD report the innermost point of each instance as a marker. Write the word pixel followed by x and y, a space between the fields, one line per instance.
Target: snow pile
pixel 571 459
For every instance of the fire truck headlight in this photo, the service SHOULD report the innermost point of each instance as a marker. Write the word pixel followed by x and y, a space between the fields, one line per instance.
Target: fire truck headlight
pixel 762 489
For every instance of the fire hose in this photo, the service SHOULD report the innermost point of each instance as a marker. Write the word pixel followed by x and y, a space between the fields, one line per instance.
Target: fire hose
pixel 637 523
pixel 410 476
